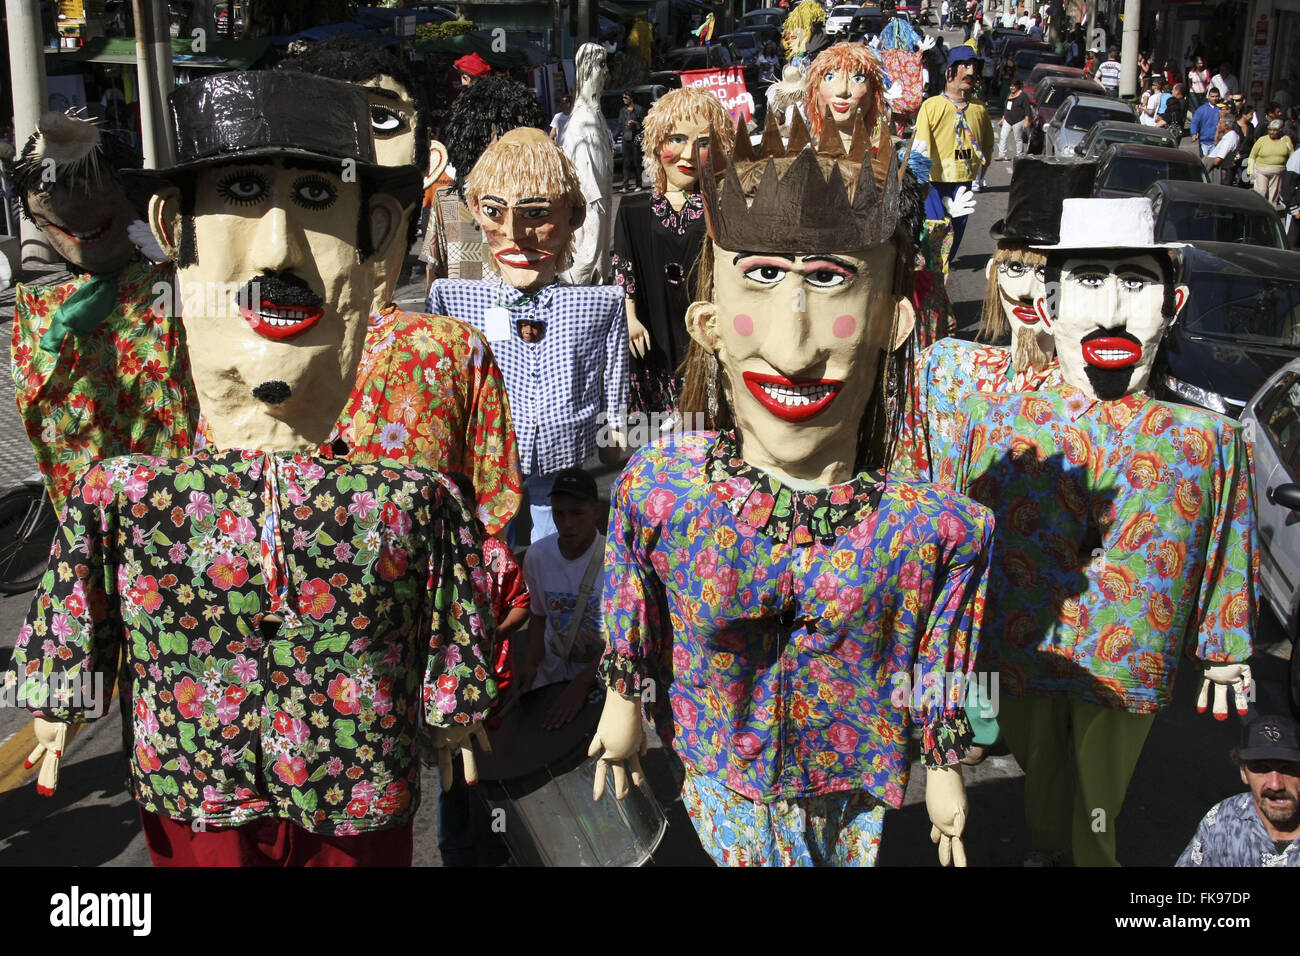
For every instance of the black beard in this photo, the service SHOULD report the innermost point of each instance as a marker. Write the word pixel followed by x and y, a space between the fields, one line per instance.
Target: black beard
pixel 1109 384
pixel 273 392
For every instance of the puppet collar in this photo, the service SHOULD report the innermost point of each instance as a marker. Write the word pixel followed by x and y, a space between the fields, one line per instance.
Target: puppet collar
pixel 783 513
pixel 519 300
pixel 1118 414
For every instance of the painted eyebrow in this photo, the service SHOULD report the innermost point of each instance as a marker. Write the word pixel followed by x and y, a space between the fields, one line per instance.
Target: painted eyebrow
pixel 387 94
pixel 833 259
pixel 1102 267
pixel 774 255
pixel 519 202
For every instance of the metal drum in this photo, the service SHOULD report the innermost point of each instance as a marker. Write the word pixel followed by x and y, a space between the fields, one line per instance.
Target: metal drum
pixel 541 781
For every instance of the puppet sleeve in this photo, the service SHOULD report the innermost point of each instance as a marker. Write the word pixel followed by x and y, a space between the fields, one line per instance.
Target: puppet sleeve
pixel 616 370
pixel 950 639
pixel 1226 608
pixel 624 270
pixel 490 440
pixel 459 687
pixel 984 131
pixel 632 605
pixel 912 449
pixel 65 656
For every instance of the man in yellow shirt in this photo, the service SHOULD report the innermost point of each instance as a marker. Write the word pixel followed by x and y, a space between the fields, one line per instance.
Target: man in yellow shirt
pixel 954 130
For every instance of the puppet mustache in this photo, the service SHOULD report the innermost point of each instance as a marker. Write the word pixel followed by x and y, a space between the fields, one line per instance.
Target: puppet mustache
pixel 282 288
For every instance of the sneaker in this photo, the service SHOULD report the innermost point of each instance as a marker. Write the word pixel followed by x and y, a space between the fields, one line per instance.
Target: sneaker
pixel 975 186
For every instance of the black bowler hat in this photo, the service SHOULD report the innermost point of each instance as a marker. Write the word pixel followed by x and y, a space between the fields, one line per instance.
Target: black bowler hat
pixel 575 483
pixel 1270 738
pixel 1039 186
pixel 266 114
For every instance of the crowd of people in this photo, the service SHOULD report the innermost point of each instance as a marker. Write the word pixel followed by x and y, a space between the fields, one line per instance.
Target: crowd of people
pixel 837 504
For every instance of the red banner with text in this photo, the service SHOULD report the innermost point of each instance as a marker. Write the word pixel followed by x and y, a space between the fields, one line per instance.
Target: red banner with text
pixel 728 85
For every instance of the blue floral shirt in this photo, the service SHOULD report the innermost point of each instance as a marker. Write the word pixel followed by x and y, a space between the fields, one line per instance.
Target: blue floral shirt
pixel 1232 834
pixel 784 629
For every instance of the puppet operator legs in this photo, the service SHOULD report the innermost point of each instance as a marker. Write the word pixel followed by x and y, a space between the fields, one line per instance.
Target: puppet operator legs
pixel 1078 759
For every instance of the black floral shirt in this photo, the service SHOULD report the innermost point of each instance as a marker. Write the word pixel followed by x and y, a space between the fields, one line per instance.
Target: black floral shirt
pixel 167 572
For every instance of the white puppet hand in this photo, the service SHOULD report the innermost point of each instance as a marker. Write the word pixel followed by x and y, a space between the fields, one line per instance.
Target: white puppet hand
pixel 961 204
pixel 875 43
pixel 894 92
pixel 1223 676
pixel 51 738
pixel 945 801
pixel 927 43
pixel 622 736
pixel 447 739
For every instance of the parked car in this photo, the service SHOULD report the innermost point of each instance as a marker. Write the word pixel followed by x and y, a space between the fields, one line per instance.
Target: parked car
pixel 763 33
pixel 839 18
pixel 1076 116
pixel 867 22
pixel 1201 212
pixel 611 102
pixel 1000 35
pixel 1098 139
pixel 767 16
pixel 1240 325
pixel 745 43
pixel 919 12
pixel 1051 91
pixel 1128 169
pixel 1026 60
pixel 696 58
pixel 1044 70
pixel 1272 420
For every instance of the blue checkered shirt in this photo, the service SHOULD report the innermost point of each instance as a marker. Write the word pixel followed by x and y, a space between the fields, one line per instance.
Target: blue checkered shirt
pixel 565 388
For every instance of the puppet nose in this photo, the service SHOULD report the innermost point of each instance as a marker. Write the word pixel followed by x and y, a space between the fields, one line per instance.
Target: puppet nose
pixel 275 245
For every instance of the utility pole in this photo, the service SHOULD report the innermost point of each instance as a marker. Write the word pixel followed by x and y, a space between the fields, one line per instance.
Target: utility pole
pixel 153 65
pixel 1128 54
pixel 31 99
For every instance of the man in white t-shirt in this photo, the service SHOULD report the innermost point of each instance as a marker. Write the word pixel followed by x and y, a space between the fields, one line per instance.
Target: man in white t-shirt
pixel 1108 73
pixel 1226 81
pixel 1218 162
pixel 556 568
pixel 561 119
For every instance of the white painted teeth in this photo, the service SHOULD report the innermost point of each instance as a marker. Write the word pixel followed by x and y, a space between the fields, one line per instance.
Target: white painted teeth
pixel 90 236
pixel 796 395
pixel 1113 355
pixel 282 316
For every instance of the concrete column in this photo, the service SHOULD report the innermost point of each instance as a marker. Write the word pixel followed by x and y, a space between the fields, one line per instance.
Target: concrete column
pixel 164 79
pixel 1128 54
pixel 31 98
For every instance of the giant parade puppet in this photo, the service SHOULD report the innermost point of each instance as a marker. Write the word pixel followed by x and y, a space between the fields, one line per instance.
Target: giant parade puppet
pixel 99 360
pixel 341 608
pixel 1125 533
pixel 768 579
pixel 562 348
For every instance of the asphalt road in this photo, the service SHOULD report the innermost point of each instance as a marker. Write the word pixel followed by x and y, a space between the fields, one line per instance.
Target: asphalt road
pixel 1184 769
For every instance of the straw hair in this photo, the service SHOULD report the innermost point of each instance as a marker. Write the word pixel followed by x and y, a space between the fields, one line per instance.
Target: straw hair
pixel 802 17
pixel 688 104
pixel 993 320
pixel 854 58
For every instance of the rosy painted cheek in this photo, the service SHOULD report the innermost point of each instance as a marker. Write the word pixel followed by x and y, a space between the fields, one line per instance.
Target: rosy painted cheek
pixel 844 326
pixel 669 155
pixel 743 325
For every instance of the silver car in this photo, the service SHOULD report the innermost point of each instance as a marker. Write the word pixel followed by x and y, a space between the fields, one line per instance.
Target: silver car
pixel 1272 423
pixel 1076 116
pixel 839 18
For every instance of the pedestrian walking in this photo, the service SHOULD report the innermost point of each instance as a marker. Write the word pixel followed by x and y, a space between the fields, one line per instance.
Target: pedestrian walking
pixel 1012 128
pixel 1267 161
pixel 630 118
pixel 1108 73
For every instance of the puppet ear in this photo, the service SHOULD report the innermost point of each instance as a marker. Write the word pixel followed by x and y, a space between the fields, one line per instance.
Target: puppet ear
pixel 1180 300
pixel 385 222
pixel 1040 306
pixel 437 162
pixel 701 324
pixel 165 220
pixel 904 321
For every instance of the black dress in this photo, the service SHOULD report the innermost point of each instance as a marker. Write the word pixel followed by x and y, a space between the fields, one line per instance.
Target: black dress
pixel 655 249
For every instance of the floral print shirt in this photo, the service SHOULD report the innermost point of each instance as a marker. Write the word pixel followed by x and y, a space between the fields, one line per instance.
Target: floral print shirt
pixel 163 572
pixel 122 389
pixel 781 627
pixel 1232 834
pixel 943 375
pixel 1125 530
pixel 429 393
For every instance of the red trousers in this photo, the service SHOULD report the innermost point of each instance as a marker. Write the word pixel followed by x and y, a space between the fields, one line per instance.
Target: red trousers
pixel 272 843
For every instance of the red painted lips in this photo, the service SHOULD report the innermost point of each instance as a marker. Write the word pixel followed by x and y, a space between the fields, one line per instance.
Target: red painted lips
pixel 1111 352
pixel 281 321
pixel 792 400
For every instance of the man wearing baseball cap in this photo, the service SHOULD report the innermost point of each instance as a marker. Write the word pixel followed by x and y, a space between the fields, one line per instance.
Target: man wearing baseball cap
pixel 1261 827
pixel 954 131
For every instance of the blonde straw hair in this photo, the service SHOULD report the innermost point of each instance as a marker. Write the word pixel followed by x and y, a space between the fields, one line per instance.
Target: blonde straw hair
pixel 688 104
pixel 993 319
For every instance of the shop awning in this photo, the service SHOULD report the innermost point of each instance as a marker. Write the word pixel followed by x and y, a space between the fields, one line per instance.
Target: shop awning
pixel 217 55
pixel 481 44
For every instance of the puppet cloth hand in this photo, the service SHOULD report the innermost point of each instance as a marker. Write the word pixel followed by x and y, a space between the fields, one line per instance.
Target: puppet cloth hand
pixel 51 738
pixel 638 337
pixel 945 801
pixel 875 43
pixel 894 92
pixel 1223 676
pixel 622 736
pixel 961 204
pixel 140 233
pixel 925 44
pixel 447 739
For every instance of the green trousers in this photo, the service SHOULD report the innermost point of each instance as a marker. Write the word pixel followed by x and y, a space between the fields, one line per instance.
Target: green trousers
pixel 1078 759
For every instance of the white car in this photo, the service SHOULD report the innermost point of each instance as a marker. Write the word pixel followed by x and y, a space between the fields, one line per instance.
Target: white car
pixel 1272 423
pixel 840 17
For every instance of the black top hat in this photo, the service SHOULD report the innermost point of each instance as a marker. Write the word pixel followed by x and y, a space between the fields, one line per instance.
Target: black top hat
pixel 1039 186
pixel 263 114
pixel 1270 738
